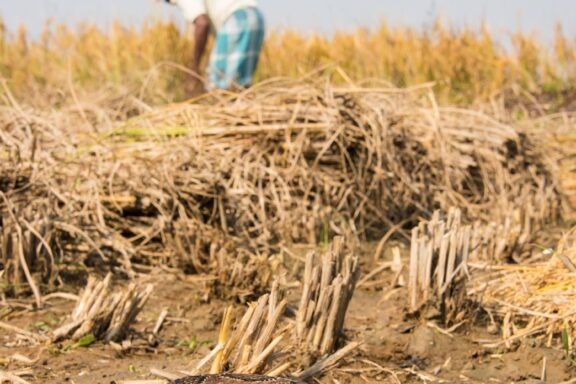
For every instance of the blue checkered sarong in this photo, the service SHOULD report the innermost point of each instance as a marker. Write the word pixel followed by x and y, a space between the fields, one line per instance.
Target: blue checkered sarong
pixel 237 49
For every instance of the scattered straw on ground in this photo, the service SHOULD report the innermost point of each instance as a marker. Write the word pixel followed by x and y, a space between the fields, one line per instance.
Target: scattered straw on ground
pixel 534 301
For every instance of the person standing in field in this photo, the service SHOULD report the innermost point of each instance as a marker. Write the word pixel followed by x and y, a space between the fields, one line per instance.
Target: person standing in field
pixel 238 26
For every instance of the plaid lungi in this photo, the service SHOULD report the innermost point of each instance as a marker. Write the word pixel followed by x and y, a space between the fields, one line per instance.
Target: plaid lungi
pixel 237 49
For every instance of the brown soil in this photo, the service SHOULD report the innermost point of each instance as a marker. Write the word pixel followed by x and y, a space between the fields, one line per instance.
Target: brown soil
pixel 411 348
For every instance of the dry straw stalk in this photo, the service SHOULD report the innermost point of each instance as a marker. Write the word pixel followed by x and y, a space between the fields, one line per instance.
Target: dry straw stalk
pixel 328 289
pixel 104 312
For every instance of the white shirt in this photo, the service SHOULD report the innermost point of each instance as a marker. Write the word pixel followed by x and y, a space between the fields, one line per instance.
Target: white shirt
pixel 217 10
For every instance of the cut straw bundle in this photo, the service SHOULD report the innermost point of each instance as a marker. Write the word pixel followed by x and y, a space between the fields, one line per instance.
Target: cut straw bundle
pixel 328 289
pixel 256 338
pixel 439 253
pixel 253 344
pixel 442 247
pixel 510 234
pixel 104 312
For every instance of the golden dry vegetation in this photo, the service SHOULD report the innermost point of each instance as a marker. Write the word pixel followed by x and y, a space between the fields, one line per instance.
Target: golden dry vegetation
pixel 466 65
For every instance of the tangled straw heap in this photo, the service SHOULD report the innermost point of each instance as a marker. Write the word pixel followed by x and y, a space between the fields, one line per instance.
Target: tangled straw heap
pixel 234 175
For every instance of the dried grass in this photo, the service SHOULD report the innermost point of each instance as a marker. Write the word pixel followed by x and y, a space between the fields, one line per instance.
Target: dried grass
pixel 196 185
pixel 534 300
pixel 326 294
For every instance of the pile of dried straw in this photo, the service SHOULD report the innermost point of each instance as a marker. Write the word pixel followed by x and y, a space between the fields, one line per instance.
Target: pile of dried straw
pixel 190 184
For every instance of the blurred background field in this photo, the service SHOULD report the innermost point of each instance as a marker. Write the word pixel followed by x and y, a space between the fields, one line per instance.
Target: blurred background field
pixel 467 66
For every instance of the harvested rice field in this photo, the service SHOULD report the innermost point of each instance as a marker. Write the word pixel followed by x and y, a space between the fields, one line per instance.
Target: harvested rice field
pixel 322 228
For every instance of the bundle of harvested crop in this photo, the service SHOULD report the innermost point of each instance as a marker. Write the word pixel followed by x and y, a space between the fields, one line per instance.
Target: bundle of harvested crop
pixel 104 312
pixel 327 292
